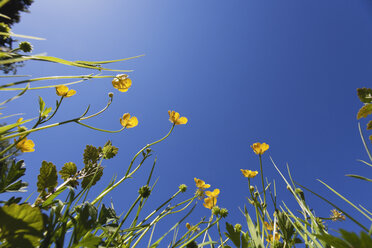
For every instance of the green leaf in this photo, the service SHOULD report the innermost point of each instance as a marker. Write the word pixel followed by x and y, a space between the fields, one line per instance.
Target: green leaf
pixel 365 95
pixel 87 216
pixel 41 105
pixel 89 241
pixel 232 234
pixel 21 225
pixel 351 237
pixel 47 179
pixel 360 177
pixel 9 177
pixel 68 170
pixel 93 174
pixel 91 154
pixel 332 240
pixel 46 112
pixel 107 215
pixel 364 111
pixel 109 151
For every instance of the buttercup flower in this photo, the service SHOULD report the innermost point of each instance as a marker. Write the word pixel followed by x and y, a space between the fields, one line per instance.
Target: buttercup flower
pixel 128 122
pixel 64 91
pixel 25 145
pixel 201 184
pixel 259 148
pixel 175 118
pixel 270 238
pixel 210 202
pixel 122 83
pixel 249 173
pixel 268 226
pixel 215 193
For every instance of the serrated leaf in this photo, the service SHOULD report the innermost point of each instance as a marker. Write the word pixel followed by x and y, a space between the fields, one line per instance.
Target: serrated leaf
pixel 369 125
pixel 47 179
pixel 9 177
pixel 91 154
pixel 364 111
pixel 107 215
pixel 21 225
pixel 109 151
pixel 68 170
pixel 93 175
pixel 365 95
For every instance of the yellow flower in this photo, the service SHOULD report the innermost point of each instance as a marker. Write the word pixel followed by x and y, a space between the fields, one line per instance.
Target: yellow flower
pixel 25 145
pixel 175 118
pixel 201 184
pixel 215 193
pixel 249 173
pixel 268 226
pixel 128 122
pixel 259 148
pixel 210 202
pixel 64 91
pixel 122 83
pixel 270 238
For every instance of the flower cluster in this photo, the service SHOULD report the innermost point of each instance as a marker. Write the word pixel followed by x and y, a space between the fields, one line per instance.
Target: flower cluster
pixel 211 199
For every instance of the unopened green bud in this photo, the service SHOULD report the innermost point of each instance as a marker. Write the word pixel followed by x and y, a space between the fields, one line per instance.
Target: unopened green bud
pixel 182 188
pixel 25 46
pixel 111 95
pixel 255 194
pixel 224 212
pixel 144 191
pixel 192 244
pixel 22 129
pixel 216 210
pixel 148 150
pixel 238 227
pixel 251 188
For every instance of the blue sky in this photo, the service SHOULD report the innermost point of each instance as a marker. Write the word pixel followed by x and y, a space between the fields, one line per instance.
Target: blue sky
pixel 280 72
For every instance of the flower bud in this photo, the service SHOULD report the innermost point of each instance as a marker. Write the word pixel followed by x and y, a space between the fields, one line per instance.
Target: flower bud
pixel 25 46
pixel 144 191
pixel 111 95
pixel 182 188
pixel 238 227
pixel 224 212
pixel 216 210
pixel 251 188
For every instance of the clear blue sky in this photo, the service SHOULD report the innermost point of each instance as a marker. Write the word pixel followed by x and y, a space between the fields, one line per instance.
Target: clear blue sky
pixel 280 72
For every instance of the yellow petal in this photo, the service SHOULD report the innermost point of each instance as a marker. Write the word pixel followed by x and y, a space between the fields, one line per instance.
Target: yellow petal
pixel 215 193
pixel 132 122
pixel 124 120
pixel 70 93
pixel 182 120
pixel 61 90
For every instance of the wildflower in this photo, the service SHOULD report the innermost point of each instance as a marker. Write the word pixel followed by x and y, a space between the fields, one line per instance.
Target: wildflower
pixel 336 215
pixel 249 173
pixel 268 226
pixel 216 210
pixel 25 46
pixel 128 122
pixel 259 148
pixel 175 118
pixel 188 226
pixel 63 90
pixel 271 239
pixel 215 193
pixel 210 202
pixel 238 227
pixel 201 184
pixel 121 82
pixel 25 145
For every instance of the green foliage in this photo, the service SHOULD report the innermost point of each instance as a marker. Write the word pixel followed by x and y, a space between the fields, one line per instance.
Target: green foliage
pixel 9 180
pixel 91 154
pixel 21 225
pixel 365 111
pixel 347 239
pixel 47 179
pixel 365 95
pixel 109 151
pixel 68 170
